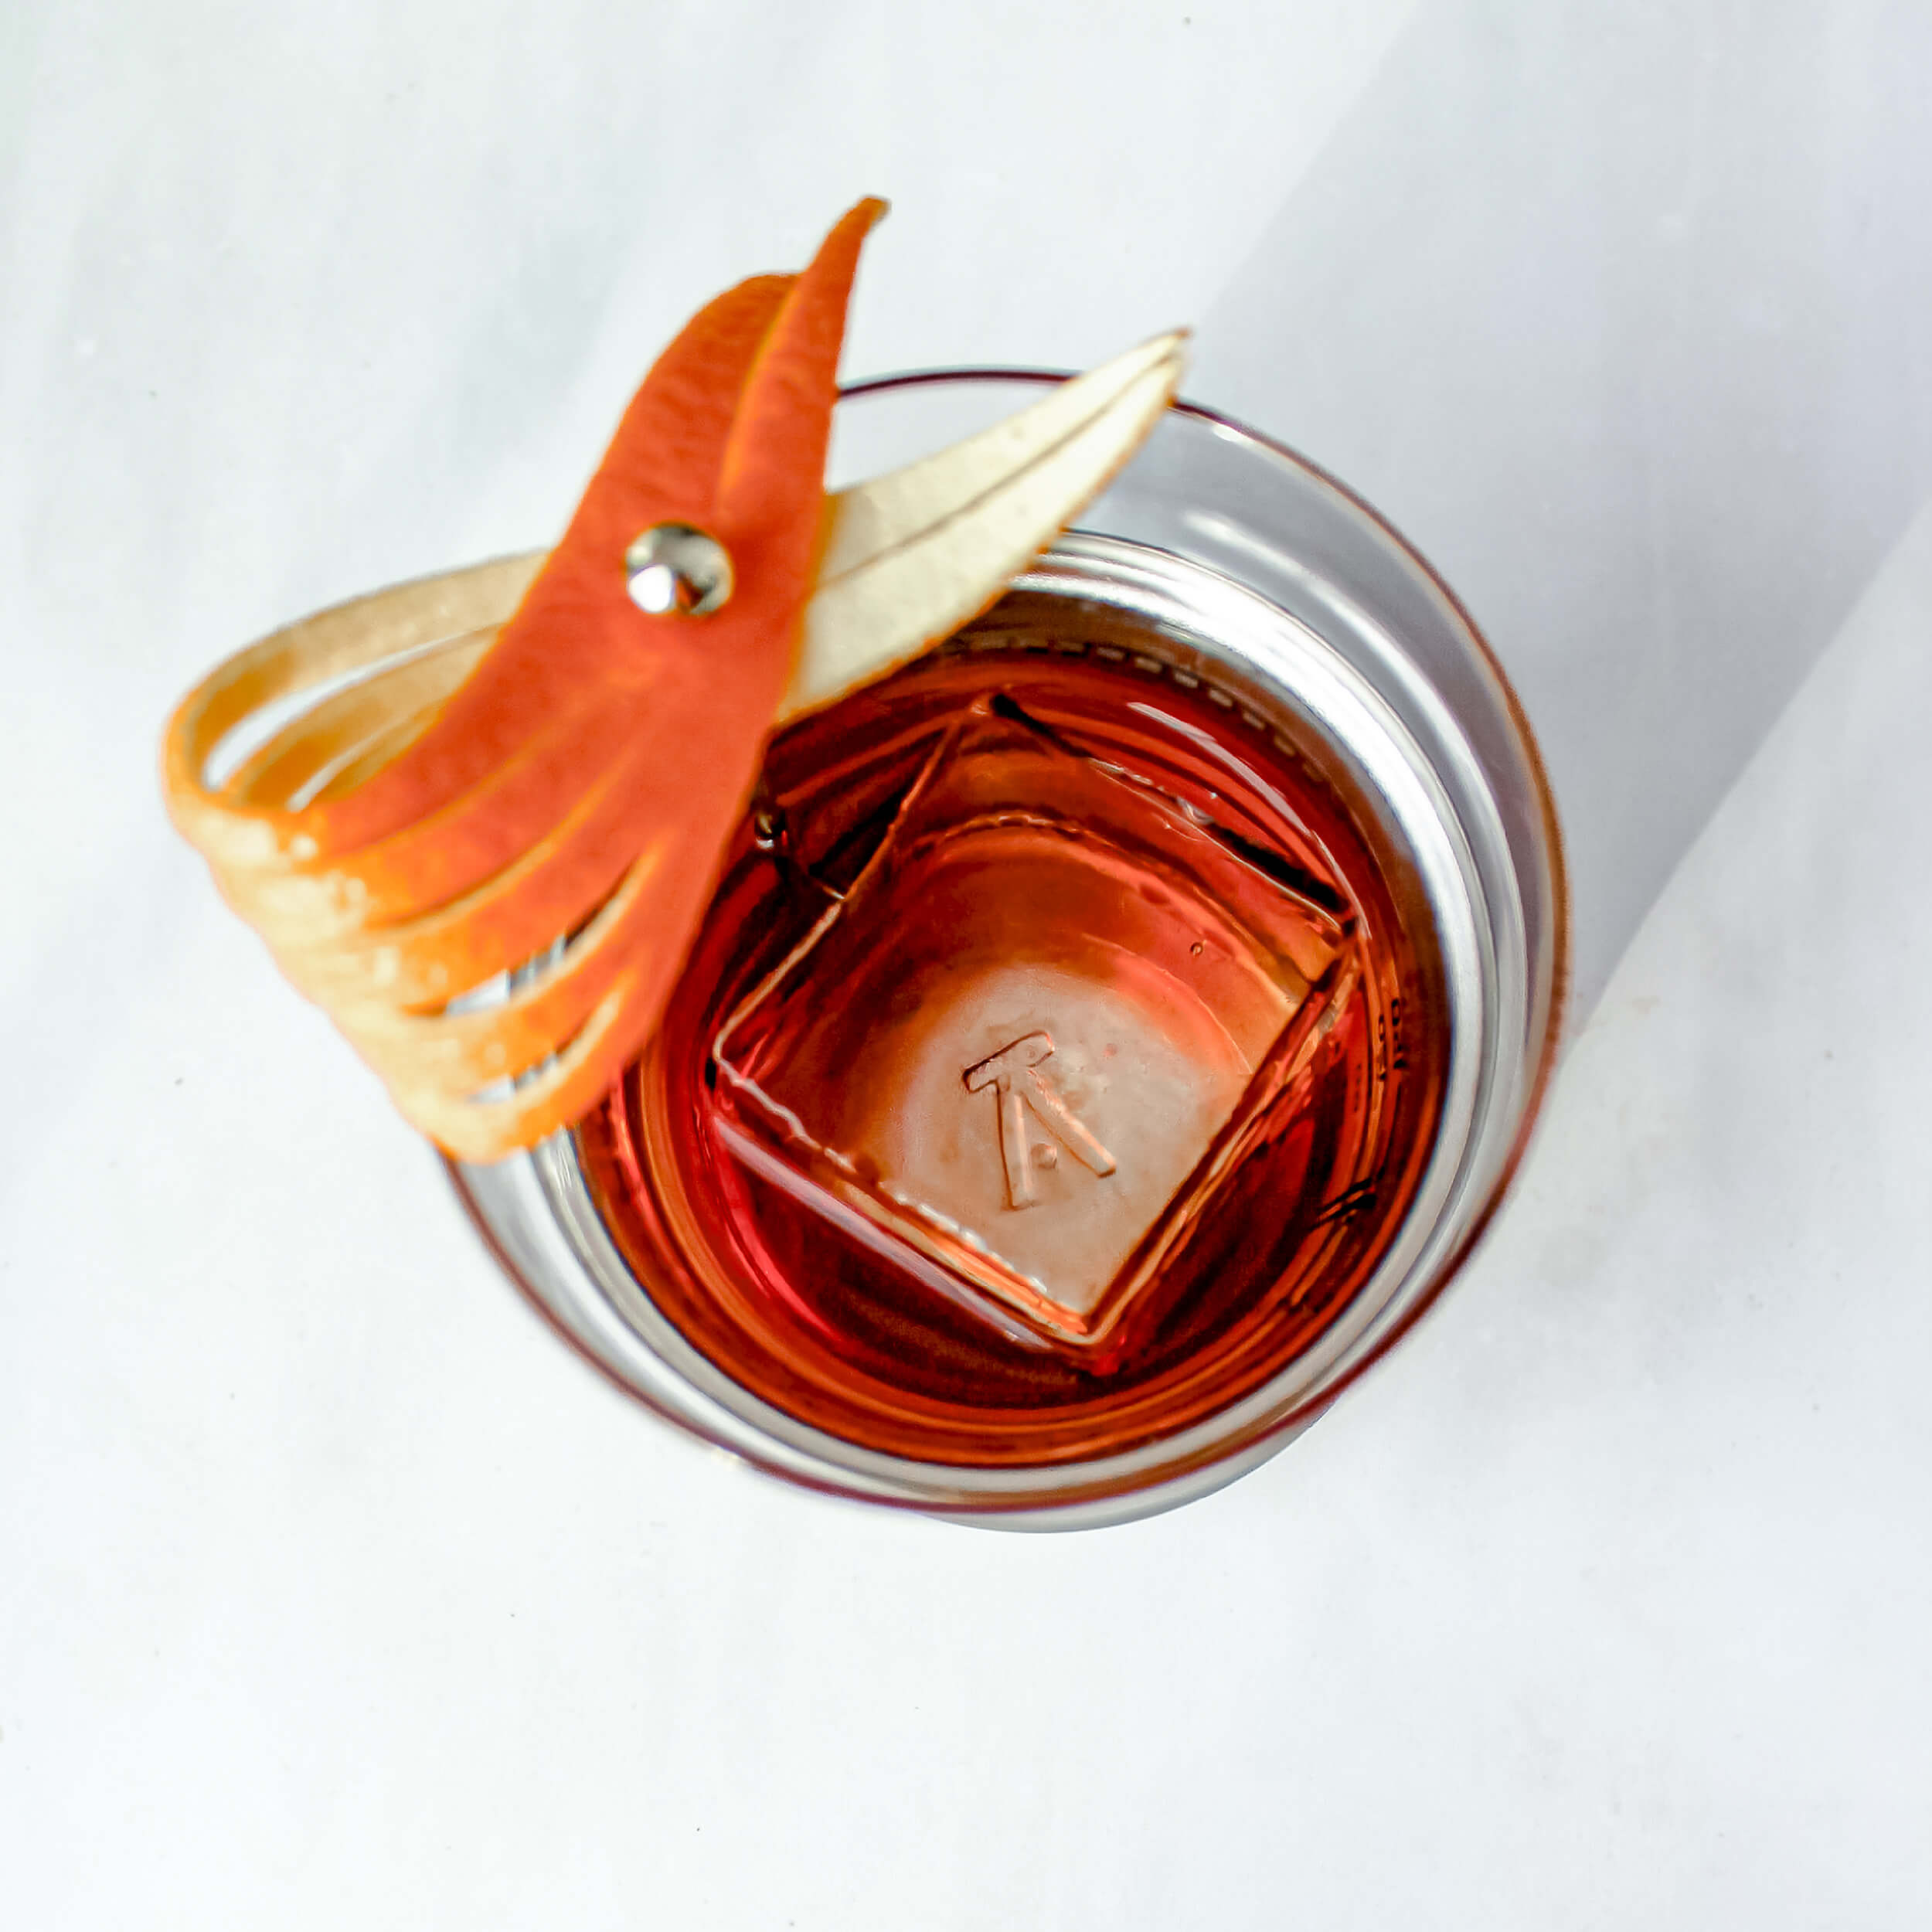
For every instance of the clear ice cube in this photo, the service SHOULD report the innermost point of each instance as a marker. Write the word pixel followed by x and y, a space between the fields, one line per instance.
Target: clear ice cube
pixel 1027 1042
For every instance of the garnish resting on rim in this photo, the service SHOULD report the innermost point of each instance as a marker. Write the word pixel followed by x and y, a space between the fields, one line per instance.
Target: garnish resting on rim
pixel 460 796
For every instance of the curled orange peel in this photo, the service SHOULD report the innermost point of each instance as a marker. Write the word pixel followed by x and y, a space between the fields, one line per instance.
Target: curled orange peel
pixel 514 769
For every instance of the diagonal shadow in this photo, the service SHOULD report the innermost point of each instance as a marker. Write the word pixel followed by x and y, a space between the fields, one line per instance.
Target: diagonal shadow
pixel 1619 312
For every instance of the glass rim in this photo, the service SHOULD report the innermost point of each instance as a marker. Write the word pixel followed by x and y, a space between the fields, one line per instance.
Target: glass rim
pixel 1188 1476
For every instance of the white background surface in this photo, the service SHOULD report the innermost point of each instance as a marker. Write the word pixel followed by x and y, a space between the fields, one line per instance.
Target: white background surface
pixel 333 1592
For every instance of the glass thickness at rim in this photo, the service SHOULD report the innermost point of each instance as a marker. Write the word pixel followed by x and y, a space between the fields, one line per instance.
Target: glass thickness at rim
pixel 1278 528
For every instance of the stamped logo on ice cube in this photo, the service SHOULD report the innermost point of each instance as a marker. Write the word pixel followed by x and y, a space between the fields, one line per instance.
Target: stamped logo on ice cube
pixel 1016 1078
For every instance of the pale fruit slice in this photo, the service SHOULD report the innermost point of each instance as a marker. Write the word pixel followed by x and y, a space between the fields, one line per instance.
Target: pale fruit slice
pixel 912 556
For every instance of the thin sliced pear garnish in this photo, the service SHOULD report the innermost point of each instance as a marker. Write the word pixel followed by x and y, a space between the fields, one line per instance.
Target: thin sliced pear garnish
pixel 911 556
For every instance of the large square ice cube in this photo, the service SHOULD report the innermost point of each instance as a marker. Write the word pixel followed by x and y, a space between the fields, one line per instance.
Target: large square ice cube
pixel 1024 1040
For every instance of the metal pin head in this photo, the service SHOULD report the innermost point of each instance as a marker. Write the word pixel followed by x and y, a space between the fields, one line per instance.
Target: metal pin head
pixel 674 569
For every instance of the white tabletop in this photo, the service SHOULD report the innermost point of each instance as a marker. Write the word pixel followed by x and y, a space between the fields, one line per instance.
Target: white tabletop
pixel 334 1592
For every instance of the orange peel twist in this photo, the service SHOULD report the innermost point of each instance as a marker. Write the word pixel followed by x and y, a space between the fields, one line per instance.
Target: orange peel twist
pixel 552 796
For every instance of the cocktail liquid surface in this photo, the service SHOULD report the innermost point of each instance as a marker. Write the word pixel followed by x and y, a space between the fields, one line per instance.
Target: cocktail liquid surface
pixel 1062 1050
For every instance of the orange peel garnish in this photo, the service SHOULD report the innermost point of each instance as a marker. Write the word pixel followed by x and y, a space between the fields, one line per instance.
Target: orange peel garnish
pixel 551 796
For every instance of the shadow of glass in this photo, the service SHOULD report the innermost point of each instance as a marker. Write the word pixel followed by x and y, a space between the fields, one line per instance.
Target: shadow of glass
pixel 1619 313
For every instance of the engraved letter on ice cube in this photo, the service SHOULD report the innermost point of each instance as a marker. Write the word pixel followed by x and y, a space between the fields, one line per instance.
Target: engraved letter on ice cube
pixel 1014 1074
